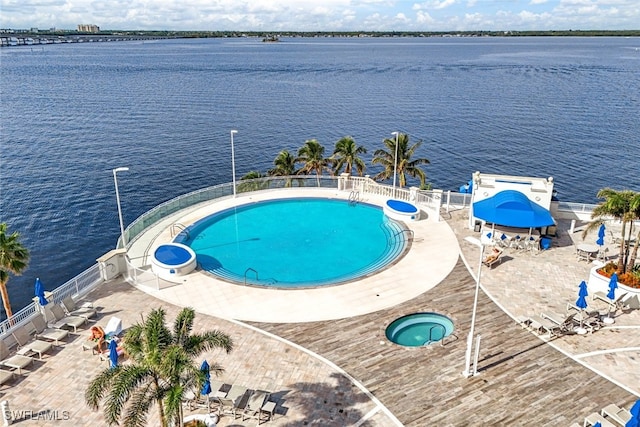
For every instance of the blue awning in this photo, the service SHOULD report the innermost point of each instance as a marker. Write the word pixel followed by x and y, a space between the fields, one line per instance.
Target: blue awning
pixel 512 209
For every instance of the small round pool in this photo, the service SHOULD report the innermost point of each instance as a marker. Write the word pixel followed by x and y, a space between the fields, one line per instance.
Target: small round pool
pixel 173 259
pixel 401 210
pixel 419 329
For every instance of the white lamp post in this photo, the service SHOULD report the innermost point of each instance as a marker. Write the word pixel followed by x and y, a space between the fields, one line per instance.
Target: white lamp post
pixel 395 164
pixel 233 163
pixel 467 367
pixel 115 182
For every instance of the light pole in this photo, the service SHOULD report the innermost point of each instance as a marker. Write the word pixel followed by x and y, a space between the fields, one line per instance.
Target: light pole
pixel 115 183
pixel 467 367
pixel 395 164
pixel 233 163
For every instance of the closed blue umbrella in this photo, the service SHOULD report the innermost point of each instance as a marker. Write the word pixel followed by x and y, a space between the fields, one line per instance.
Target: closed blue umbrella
pixel 40 292
pixel 613 285
pixel 113 353
pixel 581 303
pixel 635 415
pixel 600 241
pixel 206 387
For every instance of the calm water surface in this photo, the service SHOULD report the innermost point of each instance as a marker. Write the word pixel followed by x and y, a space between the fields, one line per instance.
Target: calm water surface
pixel 561 107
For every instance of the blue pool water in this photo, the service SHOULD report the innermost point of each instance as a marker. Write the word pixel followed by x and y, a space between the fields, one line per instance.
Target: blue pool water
pixel 418 329
pixel 292 243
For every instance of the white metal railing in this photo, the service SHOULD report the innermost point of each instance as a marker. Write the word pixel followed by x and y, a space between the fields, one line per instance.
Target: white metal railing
pixel 77 287
pixel 146 278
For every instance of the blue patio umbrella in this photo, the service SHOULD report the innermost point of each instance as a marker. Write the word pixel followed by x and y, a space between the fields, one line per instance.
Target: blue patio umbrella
pixel 613 285
pixel 40 292
pixel 113 353
pixel 635 415
pixel 581 303
pixel 600 241
pixel 206 387
pixel 597 424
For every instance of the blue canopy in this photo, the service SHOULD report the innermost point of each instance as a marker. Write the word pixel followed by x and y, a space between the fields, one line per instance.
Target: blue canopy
pixel 512 209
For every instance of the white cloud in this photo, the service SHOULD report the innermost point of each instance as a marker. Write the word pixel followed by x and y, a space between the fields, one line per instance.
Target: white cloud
pixel 318 15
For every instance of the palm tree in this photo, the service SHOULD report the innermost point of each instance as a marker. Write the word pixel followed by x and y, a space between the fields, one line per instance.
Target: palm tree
pixel 635 209
pixel 347 154
pixel 405 166
pixel 623 206
pixel 161 368
pixel 14 259
pixel 253 182
pixel 311 154
pixel 285 165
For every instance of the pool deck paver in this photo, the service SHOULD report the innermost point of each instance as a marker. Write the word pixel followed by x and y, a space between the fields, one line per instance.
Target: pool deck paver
pixel 522 379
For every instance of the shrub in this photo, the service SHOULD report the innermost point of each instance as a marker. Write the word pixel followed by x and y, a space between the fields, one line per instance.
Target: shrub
pixel 630 278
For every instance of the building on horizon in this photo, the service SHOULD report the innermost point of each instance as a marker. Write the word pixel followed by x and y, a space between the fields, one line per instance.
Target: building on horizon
pixel 88 28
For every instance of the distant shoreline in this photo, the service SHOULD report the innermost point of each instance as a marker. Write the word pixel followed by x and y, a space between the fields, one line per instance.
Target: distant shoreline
pixel 6 33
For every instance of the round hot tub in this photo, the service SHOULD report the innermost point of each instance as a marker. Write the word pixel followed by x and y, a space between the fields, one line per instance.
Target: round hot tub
pixel 401 210
pixel 419 329
pixel 170 260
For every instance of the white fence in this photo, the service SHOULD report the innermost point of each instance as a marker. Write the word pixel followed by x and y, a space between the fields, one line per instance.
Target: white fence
pixel 77 287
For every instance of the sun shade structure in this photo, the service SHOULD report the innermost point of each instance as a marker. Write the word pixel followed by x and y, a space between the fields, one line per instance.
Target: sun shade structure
pixel 512 209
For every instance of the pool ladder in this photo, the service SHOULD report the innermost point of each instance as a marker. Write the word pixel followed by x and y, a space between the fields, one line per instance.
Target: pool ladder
pixel 401 232
pixel 354 198
pixel 181 227
pixel 430 340
pixel 270 282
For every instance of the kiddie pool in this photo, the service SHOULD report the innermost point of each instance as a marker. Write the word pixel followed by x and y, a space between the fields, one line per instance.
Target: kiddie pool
pixel 170 260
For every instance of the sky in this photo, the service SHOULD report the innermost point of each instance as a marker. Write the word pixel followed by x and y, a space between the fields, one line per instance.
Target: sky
pixel 323 15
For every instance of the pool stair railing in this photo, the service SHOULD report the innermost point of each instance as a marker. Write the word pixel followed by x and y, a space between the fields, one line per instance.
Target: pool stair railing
pixel 181 229
pixel 402 233
pixel 269 282
pixel 354 197
pixel 430 340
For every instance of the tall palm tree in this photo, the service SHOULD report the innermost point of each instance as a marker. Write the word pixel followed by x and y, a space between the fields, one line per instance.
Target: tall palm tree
pixel 162 368
pixel 347 154
pixel 405 166
pixel 252 181
pixel 14 259
pixel 635 210
pixel 311 155
pixel 623 206
pixel 284 165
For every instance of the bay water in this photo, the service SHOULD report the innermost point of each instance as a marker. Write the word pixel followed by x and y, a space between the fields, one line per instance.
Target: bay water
pixel 563 107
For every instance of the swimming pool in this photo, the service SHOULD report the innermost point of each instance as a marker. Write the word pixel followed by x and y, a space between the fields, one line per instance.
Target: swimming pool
pixel 296 242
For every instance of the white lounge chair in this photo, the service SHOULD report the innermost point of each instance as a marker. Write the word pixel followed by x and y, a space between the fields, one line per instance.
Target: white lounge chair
pixel 256 401
pixel 617 304
pixel 619 415
pixel 57 318
pixel 51 334
pixel 27 346
pixel 17 361
pixel 592 419
pixel 86 311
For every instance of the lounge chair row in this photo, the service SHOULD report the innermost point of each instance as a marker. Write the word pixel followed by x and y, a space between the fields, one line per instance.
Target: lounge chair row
pixel 610 416
pixel 235 400
pixel 549 324
pixel 37 337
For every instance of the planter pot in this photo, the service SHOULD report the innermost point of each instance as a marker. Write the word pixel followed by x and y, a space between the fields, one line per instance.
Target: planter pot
pixel 600 283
